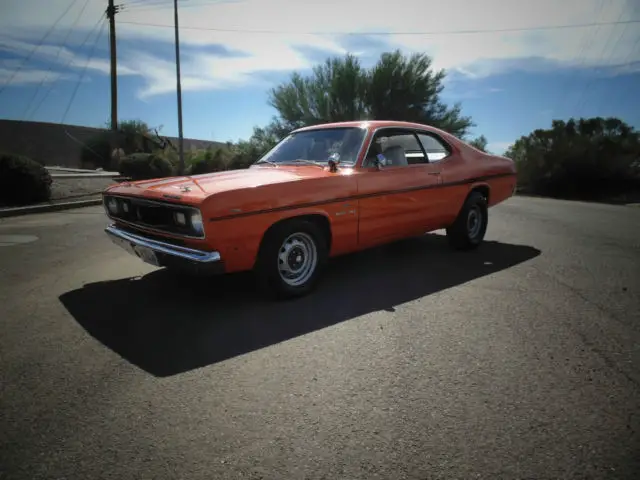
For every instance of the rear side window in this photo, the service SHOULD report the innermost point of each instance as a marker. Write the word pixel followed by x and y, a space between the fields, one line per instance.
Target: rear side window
pixel 435 148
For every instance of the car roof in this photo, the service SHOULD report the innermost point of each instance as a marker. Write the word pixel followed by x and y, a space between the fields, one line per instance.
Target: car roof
pixel 373 124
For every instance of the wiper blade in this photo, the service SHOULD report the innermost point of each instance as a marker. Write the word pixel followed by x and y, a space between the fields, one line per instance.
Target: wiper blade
pixel 267 161
pixel 303 160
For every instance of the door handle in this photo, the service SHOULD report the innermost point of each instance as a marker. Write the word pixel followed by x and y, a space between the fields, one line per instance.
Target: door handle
pixel 433 173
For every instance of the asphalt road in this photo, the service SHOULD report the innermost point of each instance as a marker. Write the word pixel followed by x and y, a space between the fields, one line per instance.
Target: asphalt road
pixel 519 360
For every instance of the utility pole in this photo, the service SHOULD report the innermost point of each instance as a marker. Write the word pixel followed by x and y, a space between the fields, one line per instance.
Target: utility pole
pixel 111 15
pixel 178 88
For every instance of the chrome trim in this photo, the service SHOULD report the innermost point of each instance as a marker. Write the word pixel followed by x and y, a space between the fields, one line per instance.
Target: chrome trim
pixel 415 130
pixel 323 126
pixel 156 230
pixel 191 254
pixel 152 202
pixel 149 227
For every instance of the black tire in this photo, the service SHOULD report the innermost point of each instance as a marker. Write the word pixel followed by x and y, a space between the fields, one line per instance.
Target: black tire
pixel 465 233
pixel 268 264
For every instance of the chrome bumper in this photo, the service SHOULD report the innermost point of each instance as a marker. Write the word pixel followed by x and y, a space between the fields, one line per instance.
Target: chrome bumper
pixel 162 254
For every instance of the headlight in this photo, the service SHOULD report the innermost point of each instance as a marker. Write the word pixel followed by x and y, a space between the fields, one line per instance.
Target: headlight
pixel 112 205
pixel 180 219
pixel 196 222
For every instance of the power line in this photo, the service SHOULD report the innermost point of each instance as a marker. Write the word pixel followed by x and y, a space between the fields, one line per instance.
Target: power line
pixel 68 64
pixel 582 99
pixel 442 32
pixel 37 46
pixel 586 43
pixel 62 47
pixel 145 2
pixel 166 4
pixel 84 70
pixel 146 5
pixel 627 62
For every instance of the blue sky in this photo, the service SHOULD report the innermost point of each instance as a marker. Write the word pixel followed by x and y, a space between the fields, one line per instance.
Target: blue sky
pixel 509 82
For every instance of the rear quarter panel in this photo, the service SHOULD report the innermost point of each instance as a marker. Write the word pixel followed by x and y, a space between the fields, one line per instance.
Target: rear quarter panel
pixel 470 169
pixel 499 174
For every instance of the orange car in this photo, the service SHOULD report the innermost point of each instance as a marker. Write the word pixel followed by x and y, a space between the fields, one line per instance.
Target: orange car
pixel 323 191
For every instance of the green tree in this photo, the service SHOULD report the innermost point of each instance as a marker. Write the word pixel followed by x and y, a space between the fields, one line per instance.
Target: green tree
pixel 586 158
pixel 397 87
pixel 480 143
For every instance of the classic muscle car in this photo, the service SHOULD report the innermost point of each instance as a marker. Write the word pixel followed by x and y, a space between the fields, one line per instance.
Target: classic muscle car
pixel 323 191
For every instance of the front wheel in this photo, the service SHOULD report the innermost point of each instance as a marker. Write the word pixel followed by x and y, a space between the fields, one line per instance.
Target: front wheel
pixel 291 259
pixel 469 228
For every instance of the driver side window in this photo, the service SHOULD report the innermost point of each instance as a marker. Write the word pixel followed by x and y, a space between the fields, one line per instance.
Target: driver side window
pixel 396 148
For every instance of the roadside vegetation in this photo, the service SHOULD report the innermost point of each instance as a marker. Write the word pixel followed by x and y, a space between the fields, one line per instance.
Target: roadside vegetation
pixel 592 159
pixel 586 159
pixel 23 181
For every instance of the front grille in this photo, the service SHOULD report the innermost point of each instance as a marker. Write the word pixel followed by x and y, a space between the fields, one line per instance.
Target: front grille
pixel 154 215
pixel 157 216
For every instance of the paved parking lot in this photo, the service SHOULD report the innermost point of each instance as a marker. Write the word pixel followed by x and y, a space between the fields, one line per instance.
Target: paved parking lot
pixel 520 360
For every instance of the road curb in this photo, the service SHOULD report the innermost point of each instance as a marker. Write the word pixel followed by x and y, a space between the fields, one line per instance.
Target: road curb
pixel 49 207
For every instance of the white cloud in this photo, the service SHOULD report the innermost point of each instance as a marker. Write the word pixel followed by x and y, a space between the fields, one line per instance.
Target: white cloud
pixel 54 57
pixel 32 76
pixel 498 147
pixel 252 54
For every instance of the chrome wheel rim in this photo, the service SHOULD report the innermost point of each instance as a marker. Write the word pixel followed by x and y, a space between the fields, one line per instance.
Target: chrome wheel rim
pixel 474 222
pixel 297 259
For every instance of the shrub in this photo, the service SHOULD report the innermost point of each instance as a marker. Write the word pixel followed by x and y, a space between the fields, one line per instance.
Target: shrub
pixel 23 181
pixel 144 166
pixel 245 153
pixel 169 154
pixel 208 161
pixel 586 158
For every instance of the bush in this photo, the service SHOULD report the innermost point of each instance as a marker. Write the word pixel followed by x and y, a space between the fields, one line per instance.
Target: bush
pixel 207 161
pixel 23 181
pixel 144 166
pixel 246 153
pixel 587 158
pixel 170 155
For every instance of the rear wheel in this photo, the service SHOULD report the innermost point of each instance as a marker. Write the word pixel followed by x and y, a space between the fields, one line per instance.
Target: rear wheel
pixel 291 258
pixel 469 228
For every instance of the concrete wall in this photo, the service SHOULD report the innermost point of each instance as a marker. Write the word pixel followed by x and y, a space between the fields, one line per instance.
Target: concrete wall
pixel 58 145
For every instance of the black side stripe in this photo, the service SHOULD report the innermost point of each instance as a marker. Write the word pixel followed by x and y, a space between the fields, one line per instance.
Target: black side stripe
pixel 362 196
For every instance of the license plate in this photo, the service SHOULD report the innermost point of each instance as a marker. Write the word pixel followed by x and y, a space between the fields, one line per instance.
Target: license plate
pixel 125 245
pixel 143 253
pixel 147 255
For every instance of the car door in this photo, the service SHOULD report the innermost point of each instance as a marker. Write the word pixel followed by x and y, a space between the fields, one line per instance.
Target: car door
pixel 400 198
pixel 451 194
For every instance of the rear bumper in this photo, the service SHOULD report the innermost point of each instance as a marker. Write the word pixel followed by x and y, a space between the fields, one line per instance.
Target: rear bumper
pixel 163 254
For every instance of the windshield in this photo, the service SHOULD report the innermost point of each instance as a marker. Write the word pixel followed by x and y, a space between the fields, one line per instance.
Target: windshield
pixel 318 146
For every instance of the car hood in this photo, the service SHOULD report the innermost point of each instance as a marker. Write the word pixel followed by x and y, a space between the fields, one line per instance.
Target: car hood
pixel 197 187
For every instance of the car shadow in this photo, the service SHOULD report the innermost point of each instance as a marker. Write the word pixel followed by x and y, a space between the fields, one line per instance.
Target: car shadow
pixel 167 325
